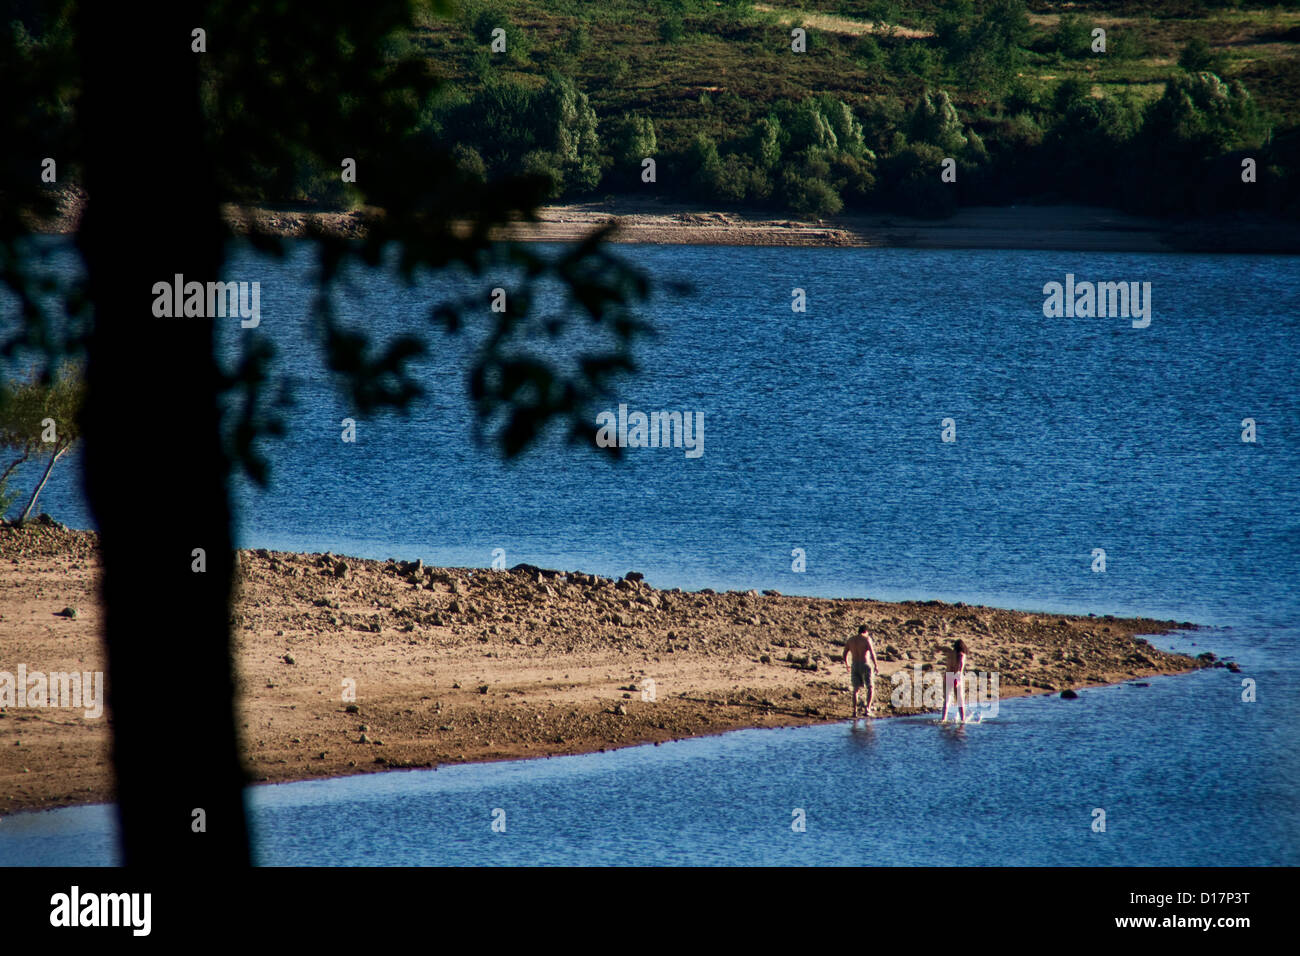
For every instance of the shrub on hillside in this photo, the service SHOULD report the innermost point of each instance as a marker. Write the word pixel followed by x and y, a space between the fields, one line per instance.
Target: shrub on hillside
pixel 909 179
pixel 1073 37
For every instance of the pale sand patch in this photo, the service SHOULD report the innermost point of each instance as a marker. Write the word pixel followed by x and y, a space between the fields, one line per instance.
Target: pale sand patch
pixel 837 24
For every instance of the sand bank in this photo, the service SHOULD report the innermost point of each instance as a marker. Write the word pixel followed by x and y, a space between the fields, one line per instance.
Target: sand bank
pixel 453 665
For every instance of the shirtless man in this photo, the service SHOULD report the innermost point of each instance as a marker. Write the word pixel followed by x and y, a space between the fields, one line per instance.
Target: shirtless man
pixel 954 681
pixel 861 674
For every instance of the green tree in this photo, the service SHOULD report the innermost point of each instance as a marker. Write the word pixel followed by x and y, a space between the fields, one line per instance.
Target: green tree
pixel 1202 115
pixel 703 165
pixel 40 418
pixel 846 127
pixel 634 139
pixel 765 142
pixel 549 133
pixel 1199 57
pixel 934 120
pixel 1089 146
pixel 809 128
pixel 1073 36
pixel 671 29
pixel 567 128
pixel 484 19
pixel 807 193
pixel 1198 119
pixel 910 179
pixel 1069 93
pixel 986 47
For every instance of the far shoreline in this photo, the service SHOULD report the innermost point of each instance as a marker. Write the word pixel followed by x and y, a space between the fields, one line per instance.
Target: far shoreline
pixel 1059 227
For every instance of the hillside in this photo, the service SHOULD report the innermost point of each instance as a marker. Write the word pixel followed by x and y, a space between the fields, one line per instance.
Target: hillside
pixel 1014 93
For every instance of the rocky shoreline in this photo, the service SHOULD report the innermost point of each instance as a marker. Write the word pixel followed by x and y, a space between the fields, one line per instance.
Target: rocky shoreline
pixel 452 665
pixel 654 221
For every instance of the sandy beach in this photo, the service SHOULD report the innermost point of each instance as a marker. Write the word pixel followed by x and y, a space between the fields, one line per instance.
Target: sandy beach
pixel 1052 227
pixel 453 665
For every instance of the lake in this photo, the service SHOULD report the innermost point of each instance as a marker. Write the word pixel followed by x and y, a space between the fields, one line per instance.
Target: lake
pixel 823 440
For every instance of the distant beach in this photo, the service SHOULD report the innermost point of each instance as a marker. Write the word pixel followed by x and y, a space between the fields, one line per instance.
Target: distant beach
pixel 1058 227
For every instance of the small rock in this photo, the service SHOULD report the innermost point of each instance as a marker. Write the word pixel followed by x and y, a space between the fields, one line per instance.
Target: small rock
pixel 621 710
pixel 352 709
pixel 69 612
pixel 288 659
pixel 634 576
pixel 363 739
pixel 1068 694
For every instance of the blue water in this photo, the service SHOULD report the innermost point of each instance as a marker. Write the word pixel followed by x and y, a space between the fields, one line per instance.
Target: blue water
pixel 822 432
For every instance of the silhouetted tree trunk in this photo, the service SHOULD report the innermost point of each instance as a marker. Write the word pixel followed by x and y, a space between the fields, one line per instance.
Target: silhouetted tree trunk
pixel 153 384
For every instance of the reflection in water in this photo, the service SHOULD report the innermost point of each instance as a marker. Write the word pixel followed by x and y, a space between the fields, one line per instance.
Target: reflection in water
pixel 862 735
pixel 1018 789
